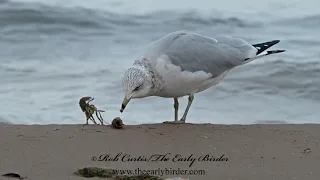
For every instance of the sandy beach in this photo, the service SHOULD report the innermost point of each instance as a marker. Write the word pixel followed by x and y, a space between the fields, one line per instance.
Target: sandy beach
pixel 248 152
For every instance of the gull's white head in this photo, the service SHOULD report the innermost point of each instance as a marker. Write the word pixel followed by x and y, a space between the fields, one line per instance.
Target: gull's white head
pixel 136 83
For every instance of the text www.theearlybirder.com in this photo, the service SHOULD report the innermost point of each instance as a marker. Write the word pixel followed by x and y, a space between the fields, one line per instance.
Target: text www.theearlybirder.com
pixel 160 172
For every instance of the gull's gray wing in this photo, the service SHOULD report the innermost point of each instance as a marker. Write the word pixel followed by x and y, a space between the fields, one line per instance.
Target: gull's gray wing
pixel 193 52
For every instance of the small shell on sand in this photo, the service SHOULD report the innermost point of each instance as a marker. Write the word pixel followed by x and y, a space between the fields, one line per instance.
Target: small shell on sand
pixel 117 123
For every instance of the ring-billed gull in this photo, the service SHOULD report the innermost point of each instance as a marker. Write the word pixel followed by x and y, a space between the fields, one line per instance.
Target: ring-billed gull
pixel 184 63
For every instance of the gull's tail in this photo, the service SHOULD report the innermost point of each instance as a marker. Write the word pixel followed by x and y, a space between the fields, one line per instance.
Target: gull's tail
pixel 262 47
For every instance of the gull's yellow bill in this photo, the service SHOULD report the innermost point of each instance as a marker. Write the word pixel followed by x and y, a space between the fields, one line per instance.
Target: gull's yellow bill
pixel 124 104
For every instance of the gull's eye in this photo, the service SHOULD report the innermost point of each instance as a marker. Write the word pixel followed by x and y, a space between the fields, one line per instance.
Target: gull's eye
pixel 137 88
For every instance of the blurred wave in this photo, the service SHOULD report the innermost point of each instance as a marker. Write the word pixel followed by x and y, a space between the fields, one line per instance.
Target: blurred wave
pixel 52 55
pixel 304 21
pixel 16 17
pixel 22 14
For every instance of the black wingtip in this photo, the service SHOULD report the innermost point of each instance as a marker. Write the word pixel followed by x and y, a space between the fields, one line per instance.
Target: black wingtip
pixel 276 41
pixel 275 51
pixel 263 46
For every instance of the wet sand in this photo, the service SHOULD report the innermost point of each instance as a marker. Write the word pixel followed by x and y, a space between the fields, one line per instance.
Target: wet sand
pixel 248 152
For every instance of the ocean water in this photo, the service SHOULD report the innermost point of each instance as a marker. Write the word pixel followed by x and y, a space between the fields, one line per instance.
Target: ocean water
pixel 54 52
